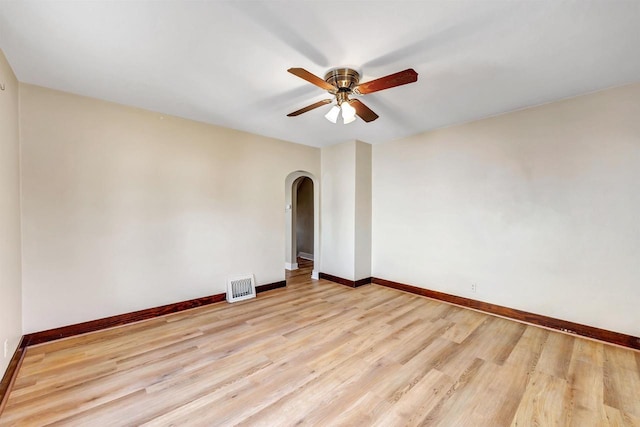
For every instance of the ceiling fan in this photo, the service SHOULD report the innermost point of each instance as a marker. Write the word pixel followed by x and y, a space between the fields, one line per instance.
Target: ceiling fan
pixel 343 82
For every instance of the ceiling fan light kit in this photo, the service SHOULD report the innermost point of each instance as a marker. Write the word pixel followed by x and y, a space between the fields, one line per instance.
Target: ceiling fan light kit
pixel 348 113
pixel 342 82
pixel 332 115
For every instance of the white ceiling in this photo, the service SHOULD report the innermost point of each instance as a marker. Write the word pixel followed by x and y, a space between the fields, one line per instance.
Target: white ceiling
pixel 225 62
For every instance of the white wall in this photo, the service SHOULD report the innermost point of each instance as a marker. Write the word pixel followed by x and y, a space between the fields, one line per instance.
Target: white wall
pixel 346 210
pixel 125 209
pixel 540 208
pixel 337 210
pixel 10 252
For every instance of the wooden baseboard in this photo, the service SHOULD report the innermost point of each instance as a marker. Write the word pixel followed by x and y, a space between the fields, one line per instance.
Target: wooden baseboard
pixel 270 286
pixel 136 316
pixel 10 374
pixel 362 282
pixel 523 316
pixel 117 320
pixel 346 282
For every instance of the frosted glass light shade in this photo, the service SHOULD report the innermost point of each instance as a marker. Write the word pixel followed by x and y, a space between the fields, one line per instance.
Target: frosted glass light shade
pixel 348 113
pixel 332 115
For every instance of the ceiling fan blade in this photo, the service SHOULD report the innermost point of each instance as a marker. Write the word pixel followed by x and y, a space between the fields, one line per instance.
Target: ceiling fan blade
pixel 392 80
pixel 364 112
pixel 310 107
pixel 312 78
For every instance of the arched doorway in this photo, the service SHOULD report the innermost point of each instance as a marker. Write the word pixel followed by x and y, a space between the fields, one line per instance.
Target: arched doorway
pixel 303 218
pixel 302 182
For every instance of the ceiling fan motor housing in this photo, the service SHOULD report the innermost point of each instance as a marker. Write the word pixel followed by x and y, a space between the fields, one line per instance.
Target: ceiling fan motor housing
pixel 345 79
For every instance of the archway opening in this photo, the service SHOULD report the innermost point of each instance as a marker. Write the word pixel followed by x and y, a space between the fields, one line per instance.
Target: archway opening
pixel 302 217
pixel 304 220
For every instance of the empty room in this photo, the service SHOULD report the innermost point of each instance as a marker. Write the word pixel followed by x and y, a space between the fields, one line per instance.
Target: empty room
pixel 356 213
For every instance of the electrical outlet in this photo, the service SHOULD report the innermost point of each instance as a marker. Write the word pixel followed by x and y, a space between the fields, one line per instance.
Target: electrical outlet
pixel 474 287
pixel 6 347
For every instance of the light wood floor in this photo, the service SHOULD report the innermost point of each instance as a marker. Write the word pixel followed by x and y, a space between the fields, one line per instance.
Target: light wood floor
pixel 318 353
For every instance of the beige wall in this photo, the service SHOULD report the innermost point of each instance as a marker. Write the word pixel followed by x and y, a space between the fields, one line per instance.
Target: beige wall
pixel 125 209
pixel 540 208
pixel 362 211
pixel 10 244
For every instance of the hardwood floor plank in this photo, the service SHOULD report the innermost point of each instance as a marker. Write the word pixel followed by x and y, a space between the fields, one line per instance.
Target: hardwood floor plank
pixel 416 343
pixel 464 323
pixel 363 411
pixel 556 357
pixel 621 381
pixel 334 405
pixel 411 373
pixel 509 380
pixel 415 308
pixel 320 353
pixel 421 399
pixel 455 401
pixel 544 402
pixel 586 382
